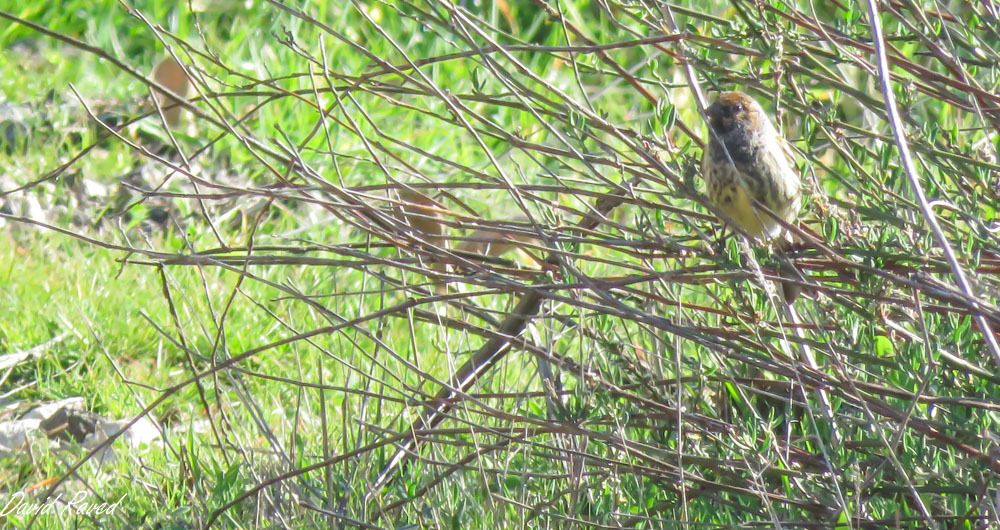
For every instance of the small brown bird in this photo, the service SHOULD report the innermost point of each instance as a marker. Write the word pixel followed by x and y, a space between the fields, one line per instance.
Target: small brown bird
pixel 747 161
pixel 171 74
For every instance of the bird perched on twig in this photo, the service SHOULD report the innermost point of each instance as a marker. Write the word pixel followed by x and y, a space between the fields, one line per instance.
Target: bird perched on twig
pixel 747 160
pixel 750 177
pixel 746 165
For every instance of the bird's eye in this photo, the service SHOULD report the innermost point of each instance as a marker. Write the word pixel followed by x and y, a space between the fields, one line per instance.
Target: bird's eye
pixel 737 108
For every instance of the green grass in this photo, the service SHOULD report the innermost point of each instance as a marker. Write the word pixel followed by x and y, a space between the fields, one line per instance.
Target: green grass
pixel 336 357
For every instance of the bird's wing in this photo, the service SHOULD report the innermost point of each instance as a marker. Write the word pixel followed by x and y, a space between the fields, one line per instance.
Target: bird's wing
pixel 770 174
pixel 795 184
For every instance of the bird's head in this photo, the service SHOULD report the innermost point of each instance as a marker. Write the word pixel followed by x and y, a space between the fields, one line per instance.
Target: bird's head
pixel 734 110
